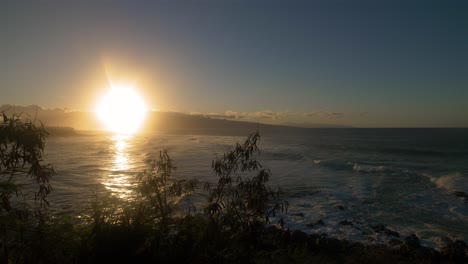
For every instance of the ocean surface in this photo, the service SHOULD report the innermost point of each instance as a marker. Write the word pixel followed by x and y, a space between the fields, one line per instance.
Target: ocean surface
pixel 410 180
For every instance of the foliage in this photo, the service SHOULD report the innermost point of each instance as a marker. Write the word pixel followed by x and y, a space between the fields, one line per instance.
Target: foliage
pixel 239 204
pixel 160 191
pixel 143 226
pixel 239 200
pixel 147 228
pixel 21 150
pixel 53 241
pixel 230 229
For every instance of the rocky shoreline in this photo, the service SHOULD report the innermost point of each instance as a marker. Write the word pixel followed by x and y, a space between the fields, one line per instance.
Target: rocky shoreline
pixel 398 250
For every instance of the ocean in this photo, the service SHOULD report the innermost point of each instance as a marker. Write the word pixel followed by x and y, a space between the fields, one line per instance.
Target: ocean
pixel 340 182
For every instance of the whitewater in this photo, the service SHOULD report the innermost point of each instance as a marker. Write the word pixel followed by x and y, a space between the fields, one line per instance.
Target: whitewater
pixel 344 183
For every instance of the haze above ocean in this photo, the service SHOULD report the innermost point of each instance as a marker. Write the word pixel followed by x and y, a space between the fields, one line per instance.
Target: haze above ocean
pixel 410 180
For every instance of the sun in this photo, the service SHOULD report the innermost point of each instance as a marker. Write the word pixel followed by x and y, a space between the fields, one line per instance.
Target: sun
pixel 122 110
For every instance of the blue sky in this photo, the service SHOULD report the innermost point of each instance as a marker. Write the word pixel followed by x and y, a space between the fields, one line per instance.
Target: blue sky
pixel 360 63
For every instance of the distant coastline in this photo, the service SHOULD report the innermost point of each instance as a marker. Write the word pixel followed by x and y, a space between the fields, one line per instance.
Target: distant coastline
pixel 62 131
pixel 64 122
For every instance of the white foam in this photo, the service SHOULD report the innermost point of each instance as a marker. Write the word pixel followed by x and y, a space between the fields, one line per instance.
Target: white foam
pixel 451 182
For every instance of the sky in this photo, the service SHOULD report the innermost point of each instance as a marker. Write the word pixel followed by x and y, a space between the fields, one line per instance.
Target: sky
pixel 358 63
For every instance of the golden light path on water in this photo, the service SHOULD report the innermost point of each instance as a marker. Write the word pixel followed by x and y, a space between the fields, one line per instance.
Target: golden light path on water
pixel 120 181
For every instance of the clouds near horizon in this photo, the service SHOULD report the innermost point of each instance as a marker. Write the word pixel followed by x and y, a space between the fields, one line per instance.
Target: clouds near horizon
pixel 403 62
pixel 272 115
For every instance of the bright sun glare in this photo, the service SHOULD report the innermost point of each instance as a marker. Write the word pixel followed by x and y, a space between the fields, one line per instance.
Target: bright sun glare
pixel 122 110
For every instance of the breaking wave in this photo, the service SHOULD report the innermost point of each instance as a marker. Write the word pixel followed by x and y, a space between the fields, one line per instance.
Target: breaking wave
pixel 451 182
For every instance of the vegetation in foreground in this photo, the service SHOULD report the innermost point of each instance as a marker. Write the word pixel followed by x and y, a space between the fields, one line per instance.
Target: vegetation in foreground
pixel 230 228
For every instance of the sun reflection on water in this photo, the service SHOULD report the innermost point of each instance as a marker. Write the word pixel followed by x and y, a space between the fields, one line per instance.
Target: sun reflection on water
pixel 120 180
